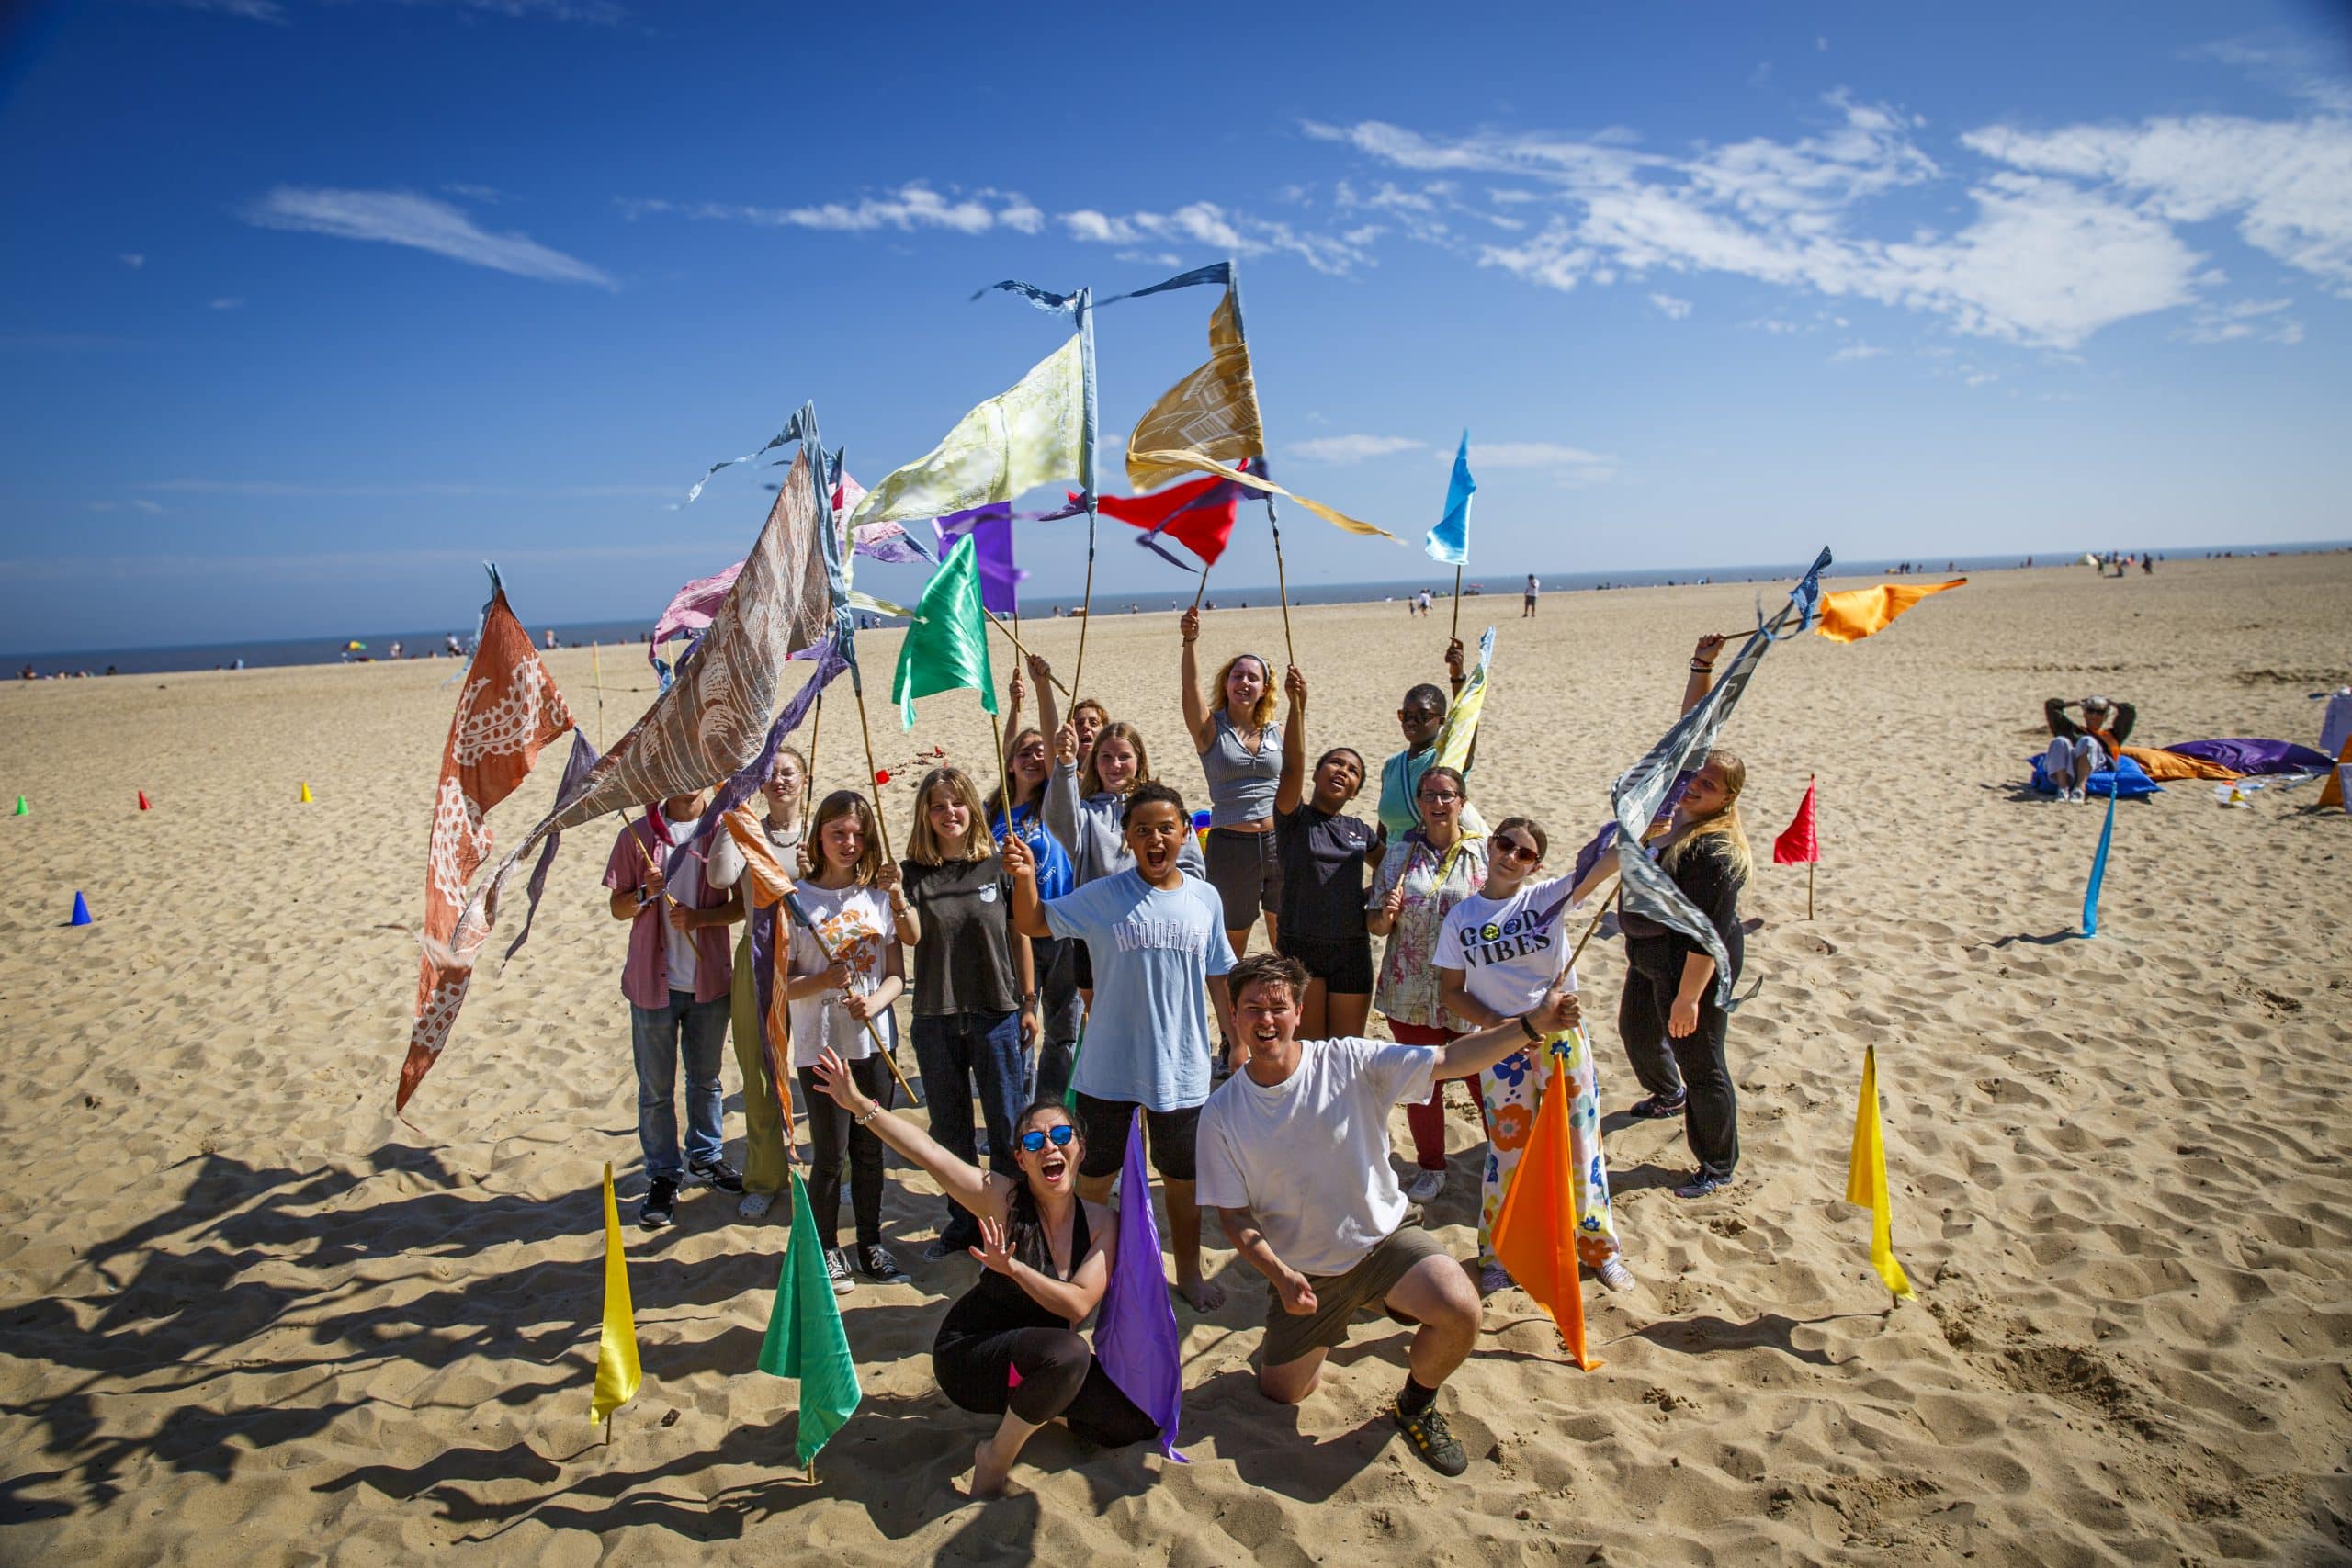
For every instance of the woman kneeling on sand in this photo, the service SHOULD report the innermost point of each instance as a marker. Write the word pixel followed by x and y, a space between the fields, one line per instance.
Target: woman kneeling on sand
pixel 1010 1346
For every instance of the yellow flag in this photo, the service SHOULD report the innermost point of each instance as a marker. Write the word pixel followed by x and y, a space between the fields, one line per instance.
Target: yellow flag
pixel 1188 461
pixel 1866 1179
pixel 617 1369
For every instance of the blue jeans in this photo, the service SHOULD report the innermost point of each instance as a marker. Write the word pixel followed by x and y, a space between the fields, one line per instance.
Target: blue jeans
pixel 697 1031
pixel 959 1053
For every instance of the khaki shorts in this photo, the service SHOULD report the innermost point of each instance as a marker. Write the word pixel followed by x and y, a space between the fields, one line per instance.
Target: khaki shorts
pixel 1338 1297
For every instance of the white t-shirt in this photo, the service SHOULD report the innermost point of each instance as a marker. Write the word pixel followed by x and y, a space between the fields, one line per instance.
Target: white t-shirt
pixel 1310 1156
pixel 685 891
pixel 1509 950
pixel 856 924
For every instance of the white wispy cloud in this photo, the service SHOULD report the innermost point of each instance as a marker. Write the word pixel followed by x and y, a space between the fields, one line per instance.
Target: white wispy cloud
pixel 1534 454
pixel 2247 321
pixel 226 302
pixel 150 507
pixel 1352 448
pixel 301 489
pixel 1210 227
pixel 1854 352
pixel 404 217
pixel 1675 310
pixel 911 206
pixel 134 260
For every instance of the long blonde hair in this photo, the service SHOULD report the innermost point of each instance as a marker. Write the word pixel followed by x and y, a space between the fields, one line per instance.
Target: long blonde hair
pixel 1268 701
pixel 1724 823
pixel 924 847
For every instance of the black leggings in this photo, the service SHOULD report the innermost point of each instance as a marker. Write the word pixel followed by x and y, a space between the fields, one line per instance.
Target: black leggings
pixel 1059 1377
pixel 830 1130
pixel 1694 1065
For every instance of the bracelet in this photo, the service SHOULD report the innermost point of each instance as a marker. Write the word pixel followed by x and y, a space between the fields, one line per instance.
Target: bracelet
pixel 1529 1030
pixel 1699 669
pixel 872 1110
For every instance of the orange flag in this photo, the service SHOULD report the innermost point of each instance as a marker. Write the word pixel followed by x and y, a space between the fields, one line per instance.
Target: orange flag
pixel 1535 1234
pixel 1860 612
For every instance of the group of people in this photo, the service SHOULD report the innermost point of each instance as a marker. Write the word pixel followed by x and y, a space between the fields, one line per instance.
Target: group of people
pixel 1077 961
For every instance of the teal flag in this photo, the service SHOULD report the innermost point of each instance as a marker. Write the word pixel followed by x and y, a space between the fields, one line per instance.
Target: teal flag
pixel 948 647
pixel 1450 541
pixel 2099 868
pixel 805 1335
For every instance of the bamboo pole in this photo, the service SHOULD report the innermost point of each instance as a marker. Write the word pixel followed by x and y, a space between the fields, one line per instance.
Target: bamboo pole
pixel 1810 866
pixel 1200 588
pixel 1588 935
pixel 1456 632
pixel 596 674
pixel 808 780
pixel 1003 775
pixel 1015 638
pixel 873 775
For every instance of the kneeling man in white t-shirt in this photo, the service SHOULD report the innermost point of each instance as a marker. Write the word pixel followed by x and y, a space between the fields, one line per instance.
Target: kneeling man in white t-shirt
pixel 1293 1151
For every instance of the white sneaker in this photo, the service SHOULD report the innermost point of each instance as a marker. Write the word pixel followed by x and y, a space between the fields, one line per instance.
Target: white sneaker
pixel 1425 1185
pixel 755 1206
pixel 837 1271
pixel 1616 1276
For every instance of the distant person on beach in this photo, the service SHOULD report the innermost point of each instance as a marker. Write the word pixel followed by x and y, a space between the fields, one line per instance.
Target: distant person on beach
pixel 1420 716
pixel 1294 1157
pixel 1527 604
pixel 1239 742
pixel 2078 751
pixel 1423 602
pixel 1009 1346
pixel 678 978
pixel 1159 950
pixel 450 646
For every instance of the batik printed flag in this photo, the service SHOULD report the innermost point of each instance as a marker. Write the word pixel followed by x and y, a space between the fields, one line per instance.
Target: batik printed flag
pixel 1213 412
pixel 1026 437
pixel 507 711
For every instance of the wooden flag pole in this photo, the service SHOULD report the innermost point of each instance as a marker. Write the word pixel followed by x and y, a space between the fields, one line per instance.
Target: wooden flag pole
pixel 1588 935
pixel 1015 638
pixel 1456 632
pixel 1282 585
pixel 808 783
pixel 1085 614
pixel 1200 588
pixel 1003 777
pixel 596 673
pixel 1809 867
pixel 873 775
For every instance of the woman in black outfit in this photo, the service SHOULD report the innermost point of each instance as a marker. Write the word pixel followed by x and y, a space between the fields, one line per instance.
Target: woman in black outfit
pixel 1323 851
pixel 1048 1261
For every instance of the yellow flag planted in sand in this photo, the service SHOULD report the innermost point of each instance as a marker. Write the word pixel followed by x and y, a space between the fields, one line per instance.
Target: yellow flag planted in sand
pixel 618 1374
pixel 1866 1179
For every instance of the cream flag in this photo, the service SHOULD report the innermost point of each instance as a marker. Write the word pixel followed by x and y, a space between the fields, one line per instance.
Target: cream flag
pixel 1213 412
pixel 1027 436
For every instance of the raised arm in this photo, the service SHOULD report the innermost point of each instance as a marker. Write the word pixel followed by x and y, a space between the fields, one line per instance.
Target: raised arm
pixel 1289 789
pixel 1474 1053
pixel 1028 910
pixel 1060 811
pixel 1702 671
pixel 1604 867
pixel 1048 714
pixel 1198 718
pixel 1457 679
pixel 984 1194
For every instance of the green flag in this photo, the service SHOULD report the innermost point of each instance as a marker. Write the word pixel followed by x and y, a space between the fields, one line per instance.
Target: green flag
pixel 805 1336
pixel 948 647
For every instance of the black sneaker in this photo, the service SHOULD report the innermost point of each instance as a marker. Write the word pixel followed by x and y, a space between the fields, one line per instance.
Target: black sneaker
pixel 837 1271
pixel 1701 1185
pixel 660 1198
pixel 1433 1440
pixel 876 1264
pixel 718 1173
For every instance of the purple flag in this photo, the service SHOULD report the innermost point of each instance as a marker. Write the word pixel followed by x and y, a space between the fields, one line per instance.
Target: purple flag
pixel 575 770
pixel 991 531
pixel 1136 1336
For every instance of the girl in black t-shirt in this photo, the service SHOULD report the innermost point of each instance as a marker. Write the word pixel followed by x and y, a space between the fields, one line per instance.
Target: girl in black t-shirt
pixel 1323 853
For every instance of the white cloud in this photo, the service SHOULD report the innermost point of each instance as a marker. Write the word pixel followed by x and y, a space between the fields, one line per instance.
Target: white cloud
pixel 284 489
pixel 402 218
pixel 1853 352
pixel 134 260
pixel 911 206
pixel 1675 310
pixel 1352 448
pixel 2247 321
pixel 1150 258
pixel 226 303
pixel 596 13
pixel 1208 226
pixel 150 507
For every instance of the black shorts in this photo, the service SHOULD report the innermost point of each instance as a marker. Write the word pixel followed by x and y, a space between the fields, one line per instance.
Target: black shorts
pixel 1082 963
pixel 1104 1124
pixel 1344 967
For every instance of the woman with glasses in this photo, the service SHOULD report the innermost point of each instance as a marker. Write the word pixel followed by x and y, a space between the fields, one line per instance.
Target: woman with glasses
pixel 1009 1346
pixel 1425 873
pixel 1500 953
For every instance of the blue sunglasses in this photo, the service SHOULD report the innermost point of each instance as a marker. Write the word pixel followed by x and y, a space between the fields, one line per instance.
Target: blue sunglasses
pixel 1035 1138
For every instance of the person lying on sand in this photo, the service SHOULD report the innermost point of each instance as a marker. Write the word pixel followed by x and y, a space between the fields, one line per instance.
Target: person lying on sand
pixel 1294 1154
pixel 2077 751
pixel 1009 1346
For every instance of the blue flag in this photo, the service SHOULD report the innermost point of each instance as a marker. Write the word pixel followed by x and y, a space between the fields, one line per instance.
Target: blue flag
pixel 1450 541
pixel 2098 871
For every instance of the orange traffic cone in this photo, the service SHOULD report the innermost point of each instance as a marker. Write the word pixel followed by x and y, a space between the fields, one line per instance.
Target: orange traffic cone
pixel 142 802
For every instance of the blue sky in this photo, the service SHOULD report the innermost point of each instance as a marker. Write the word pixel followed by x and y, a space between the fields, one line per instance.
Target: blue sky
pixel 308 304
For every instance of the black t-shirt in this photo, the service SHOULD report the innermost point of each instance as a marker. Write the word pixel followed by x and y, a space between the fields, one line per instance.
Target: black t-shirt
pixel 964 962
pixel 1705 876
pixel 1323 858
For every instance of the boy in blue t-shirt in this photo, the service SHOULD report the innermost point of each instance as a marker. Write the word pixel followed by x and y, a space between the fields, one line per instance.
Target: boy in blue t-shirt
pixel 1156 937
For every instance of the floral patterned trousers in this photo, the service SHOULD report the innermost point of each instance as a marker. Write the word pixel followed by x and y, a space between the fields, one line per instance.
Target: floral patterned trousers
pixel 1509 1093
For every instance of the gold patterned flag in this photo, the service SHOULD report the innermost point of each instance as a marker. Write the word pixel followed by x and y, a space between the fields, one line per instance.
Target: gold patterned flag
pixel 1213 412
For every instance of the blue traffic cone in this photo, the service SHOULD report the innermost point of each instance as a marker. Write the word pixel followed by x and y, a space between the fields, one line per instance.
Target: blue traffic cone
pixel 81 911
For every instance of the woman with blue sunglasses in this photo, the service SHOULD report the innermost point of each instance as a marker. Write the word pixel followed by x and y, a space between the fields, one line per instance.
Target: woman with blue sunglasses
pixel 1010 1346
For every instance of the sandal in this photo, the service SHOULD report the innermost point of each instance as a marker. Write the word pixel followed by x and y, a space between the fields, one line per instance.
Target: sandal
pixel 1658 1107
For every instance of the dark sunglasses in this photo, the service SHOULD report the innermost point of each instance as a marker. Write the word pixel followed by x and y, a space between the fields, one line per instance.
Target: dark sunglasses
pixel 1035 1138
pixel 1518 850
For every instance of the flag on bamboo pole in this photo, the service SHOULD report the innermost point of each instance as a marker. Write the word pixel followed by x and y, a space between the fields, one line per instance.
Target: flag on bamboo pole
pixel 805 1338
pixel 1136 1336
pixel 1858 612
pixel 1535 1231
pixel 1866 1180
pixel 1027 436
pixel 1460 727
pixel 1450 541
pixel 2099 868
pixel 1800 843
pixel 947 646
pixel 991 528
pixel 1331 514
pixel 713 720
pixel 618 1373
pixel 1198 515
pixel 1642 884
pixel 507 712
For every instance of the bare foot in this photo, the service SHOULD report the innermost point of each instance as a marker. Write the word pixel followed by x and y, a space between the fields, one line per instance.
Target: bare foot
pixel 988 1476
pixel 1203 1295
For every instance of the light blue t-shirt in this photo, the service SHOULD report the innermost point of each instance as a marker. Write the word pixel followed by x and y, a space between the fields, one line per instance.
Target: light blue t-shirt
pixel 1147 1039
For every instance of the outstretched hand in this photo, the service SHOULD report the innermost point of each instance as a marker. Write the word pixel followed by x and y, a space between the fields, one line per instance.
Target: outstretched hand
pixel 1294 687
pixel 831 1076
pixel 992 1252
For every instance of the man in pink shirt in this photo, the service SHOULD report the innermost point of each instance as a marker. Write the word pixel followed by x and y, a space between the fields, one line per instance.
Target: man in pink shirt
pixel 678 977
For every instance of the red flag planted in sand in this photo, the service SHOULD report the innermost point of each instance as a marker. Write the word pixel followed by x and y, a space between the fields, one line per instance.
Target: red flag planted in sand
pixel 1861 611
pixel 1801 845
pixel 1535 1233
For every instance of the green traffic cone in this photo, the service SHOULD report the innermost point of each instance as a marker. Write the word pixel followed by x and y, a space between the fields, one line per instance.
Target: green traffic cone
pixel 22 809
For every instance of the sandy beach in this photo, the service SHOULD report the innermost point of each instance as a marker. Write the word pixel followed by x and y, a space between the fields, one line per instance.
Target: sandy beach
pixel 250 1317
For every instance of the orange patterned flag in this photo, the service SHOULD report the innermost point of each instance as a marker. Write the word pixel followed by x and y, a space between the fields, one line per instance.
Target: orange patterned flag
pixel 1860 611
pixel 506 713
pixel 1535 1234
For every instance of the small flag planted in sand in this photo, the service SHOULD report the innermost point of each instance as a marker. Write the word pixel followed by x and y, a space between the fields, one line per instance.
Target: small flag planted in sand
pixel 805 1338
pixel 305 799
pixel 1801 845
pixel 1535 1233
pixel 1866 1179
pixel 2098 870
pixel 1863 611
pixel 617 1374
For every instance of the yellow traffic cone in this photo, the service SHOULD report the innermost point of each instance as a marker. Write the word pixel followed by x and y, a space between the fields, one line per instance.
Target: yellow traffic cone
pixel 306 795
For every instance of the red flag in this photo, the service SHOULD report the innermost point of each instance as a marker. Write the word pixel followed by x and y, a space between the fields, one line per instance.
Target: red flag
pixel 1203 529
pixel 1800 843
